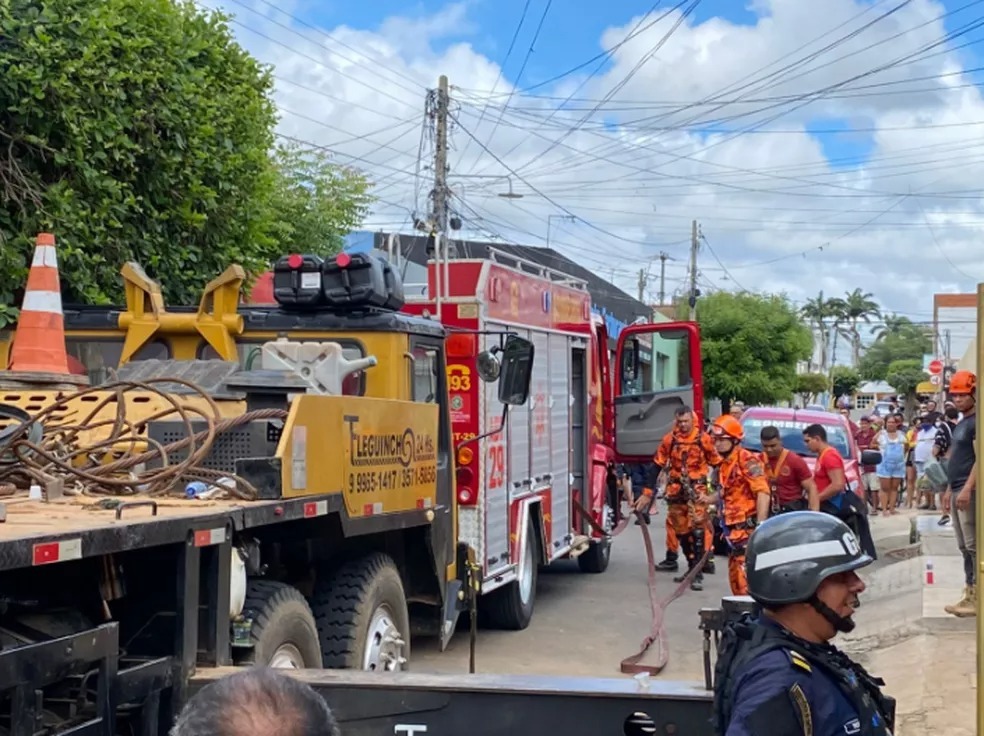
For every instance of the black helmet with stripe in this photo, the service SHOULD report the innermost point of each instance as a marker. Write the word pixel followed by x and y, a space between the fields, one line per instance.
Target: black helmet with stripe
pixel 790 555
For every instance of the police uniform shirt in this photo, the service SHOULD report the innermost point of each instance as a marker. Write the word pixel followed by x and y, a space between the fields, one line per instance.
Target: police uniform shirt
pixel 781 694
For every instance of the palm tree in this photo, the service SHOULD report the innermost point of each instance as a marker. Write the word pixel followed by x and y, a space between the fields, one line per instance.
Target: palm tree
pixel 838 318
pixel 891 323
pixel 821 314
pixel 858 306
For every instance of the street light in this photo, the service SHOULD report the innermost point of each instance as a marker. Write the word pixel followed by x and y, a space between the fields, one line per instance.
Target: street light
pixel 505 195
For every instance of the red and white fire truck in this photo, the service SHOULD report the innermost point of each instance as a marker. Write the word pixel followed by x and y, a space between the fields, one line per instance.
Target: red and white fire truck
pixel 520 488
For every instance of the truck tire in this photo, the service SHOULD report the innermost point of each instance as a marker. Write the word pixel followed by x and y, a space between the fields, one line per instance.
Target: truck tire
pixel 511 606
pixel 284 634
pixel 362 616
pixel 599 554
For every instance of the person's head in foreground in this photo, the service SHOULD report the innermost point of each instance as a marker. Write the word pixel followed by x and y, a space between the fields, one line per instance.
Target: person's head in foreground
pixel 802 569
pixel 256 702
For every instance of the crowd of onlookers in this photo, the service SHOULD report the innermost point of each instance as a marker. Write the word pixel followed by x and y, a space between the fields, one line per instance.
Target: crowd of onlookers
pixel 914 450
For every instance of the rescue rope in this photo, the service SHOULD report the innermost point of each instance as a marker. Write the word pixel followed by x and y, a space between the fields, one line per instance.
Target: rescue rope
pixel 112 465
pixel 657 631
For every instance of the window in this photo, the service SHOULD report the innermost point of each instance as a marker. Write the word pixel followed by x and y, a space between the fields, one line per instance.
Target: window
pixel 426 366
pixel 662 366
pixel 670 371
pixel 98 357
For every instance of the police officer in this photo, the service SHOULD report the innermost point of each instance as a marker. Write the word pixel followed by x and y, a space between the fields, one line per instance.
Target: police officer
pixel 777 673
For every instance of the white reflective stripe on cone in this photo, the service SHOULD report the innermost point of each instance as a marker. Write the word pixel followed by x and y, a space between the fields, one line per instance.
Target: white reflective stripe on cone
pixel 42 301
pixel 45 255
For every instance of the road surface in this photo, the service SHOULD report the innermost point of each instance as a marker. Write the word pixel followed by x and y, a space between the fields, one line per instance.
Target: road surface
pixel 585 624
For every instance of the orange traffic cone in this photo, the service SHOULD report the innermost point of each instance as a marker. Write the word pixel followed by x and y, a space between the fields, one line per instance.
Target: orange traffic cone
pixel 39 343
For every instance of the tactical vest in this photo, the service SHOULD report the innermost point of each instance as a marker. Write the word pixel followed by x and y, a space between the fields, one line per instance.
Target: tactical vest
pixel 745 640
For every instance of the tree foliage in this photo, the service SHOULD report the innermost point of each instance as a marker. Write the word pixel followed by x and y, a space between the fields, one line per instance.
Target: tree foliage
pixel 315 202
pixel 905 375
pixel 140 130
pixel 810 384
pixel 845 380
pixel 900 340
pixel 751 345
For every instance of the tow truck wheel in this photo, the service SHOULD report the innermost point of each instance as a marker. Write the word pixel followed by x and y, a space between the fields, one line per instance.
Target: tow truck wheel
pixel 511 606
pixel 599 554
pixel 284 634
pixel 362 616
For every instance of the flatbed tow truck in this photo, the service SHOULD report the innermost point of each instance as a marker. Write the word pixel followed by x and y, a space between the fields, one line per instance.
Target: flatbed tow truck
pixel 115 609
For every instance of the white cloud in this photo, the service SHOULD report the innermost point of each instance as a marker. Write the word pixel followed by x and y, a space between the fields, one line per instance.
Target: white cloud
pixel 634 170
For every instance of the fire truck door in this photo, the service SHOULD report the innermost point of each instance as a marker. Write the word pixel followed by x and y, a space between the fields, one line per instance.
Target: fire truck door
pixel 657 371
pixel 496 459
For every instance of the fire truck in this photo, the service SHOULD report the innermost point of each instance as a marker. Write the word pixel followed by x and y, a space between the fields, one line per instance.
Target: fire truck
pixel 539 489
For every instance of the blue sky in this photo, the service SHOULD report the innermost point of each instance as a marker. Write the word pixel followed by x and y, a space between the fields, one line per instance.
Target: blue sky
pixel 772 203
pixel 570 38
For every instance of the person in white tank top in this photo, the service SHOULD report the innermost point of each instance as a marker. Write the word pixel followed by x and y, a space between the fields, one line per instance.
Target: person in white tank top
pixel 923 452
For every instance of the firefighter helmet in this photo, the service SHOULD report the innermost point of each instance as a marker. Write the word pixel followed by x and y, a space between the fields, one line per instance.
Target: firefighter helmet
pixel 790 555
pixel 963 382
pixel 728 426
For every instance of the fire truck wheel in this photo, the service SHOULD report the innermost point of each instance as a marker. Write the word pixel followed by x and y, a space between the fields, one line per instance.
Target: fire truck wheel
pixel 362 616
pixel 598 555
pixel 284 634
pixel 511 606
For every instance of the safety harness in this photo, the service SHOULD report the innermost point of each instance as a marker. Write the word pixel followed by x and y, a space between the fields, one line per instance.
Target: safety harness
pixel 746 639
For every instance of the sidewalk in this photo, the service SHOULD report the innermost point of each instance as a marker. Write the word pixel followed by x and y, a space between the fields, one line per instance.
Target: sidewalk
pixel 926 657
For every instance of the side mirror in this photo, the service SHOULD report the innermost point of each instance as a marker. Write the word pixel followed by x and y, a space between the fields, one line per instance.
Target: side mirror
pixel 630 359
pixel 516 372
pixel 871 457
pixel 488 366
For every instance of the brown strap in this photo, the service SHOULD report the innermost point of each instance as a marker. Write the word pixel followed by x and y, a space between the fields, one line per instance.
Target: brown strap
pixel 657 632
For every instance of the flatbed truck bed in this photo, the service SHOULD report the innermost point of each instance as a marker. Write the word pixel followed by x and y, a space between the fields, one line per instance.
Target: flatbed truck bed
pixel 83 527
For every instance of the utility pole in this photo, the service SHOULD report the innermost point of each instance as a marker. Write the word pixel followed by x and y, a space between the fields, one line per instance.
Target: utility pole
pixel 642 285
pixel 439 215
pixel 662 277
pixel 694 243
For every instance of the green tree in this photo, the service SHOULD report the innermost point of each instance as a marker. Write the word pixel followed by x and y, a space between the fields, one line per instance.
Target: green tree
pixel 315 202
pixel 900 340
pixel 822 313
pixel 856 307
pixel 904 376
pixel 751 345
pixel 844 380
pixel 140 130
pixel 810 384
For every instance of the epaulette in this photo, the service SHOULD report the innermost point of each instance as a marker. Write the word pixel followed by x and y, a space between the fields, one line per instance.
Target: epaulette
pixel 798 660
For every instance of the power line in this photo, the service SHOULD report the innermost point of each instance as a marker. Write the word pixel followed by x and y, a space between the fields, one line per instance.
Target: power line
pixel 498 78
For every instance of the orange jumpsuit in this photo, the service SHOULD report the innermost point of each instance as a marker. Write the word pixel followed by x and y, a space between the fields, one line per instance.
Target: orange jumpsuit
pixel 742 479
pixel 690 456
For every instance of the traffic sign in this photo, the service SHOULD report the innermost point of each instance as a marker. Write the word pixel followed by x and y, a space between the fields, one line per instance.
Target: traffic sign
pixel 935 367
pixel 936 380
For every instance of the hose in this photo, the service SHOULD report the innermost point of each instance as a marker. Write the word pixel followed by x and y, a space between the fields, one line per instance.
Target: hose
pixel 109 466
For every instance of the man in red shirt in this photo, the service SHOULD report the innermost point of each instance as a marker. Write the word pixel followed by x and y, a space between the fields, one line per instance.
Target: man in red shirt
pixel 828 473
pixel 831 482
pixel 790 480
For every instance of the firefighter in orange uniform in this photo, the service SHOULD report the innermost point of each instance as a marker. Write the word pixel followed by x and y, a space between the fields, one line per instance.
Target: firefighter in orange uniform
pixel 687 454
pixel 744 494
